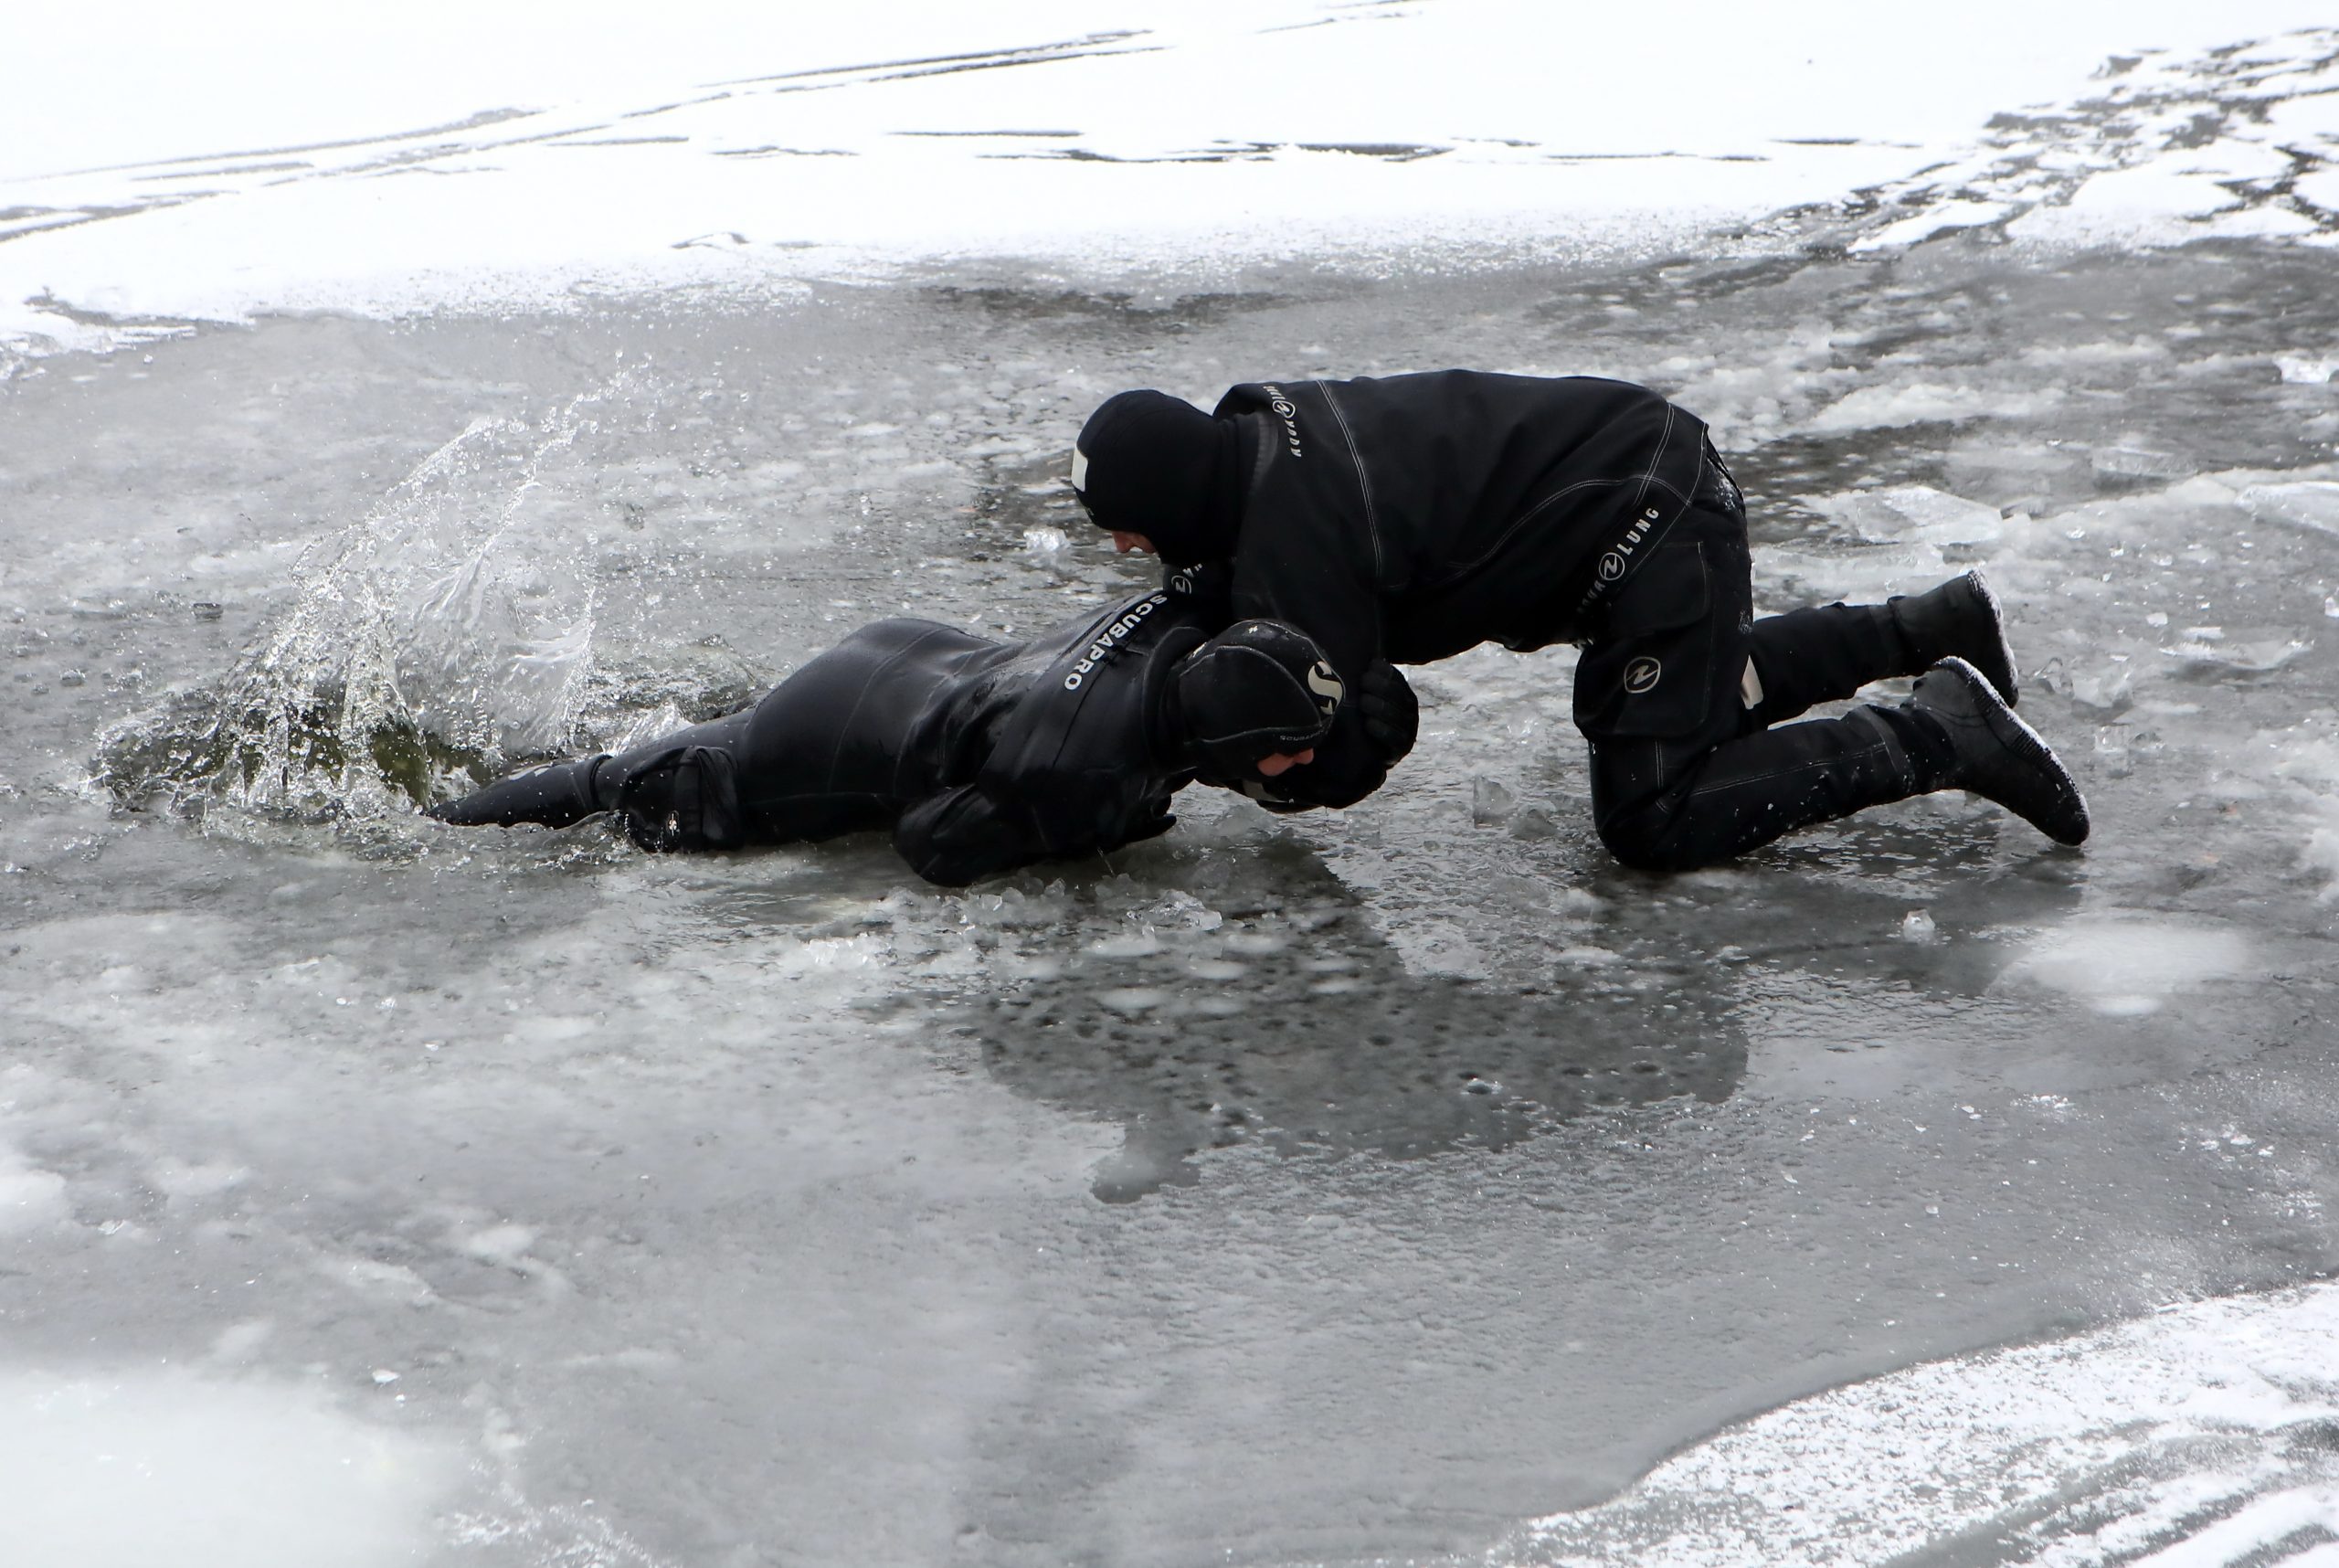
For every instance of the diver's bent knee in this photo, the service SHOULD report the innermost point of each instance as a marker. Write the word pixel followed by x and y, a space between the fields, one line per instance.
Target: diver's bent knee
pixel 1651 842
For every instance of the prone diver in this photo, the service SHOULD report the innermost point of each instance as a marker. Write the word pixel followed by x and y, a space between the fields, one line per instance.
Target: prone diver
pixel 981 756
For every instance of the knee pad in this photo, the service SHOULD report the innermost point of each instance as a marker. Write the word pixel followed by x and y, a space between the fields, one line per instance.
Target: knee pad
pixel 1646 841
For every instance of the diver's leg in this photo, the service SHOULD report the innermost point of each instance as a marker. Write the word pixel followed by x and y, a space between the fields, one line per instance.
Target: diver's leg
pixel 1829 653
pixel 562 794
pixel 822 754
pixel 558 796
pixel 1661 808
pixel 1684 771
pixel 679 791
pixel 844 741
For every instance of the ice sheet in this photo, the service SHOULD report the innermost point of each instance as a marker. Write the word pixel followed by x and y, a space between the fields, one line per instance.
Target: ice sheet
pixel 1344 1188
pixel 166 168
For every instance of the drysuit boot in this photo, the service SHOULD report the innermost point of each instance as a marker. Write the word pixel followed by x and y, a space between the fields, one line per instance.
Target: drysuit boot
pixel 1959 619
pixel 1959 735
pixel 1827 652
pixel 558 796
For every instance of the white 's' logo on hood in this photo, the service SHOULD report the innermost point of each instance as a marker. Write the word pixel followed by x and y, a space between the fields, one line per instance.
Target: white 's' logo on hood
pixel 1079 469
pixel 1327 684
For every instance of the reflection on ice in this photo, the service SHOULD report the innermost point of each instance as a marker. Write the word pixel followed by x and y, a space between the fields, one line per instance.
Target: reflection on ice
pixel 30 1197
pixel 2129 964
pixel 133 1470
pixel 1253 999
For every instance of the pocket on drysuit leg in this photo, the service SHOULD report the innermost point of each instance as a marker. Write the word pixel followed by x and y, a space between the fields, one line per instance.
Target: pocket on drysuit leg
pixel 1650 675
pixel 687 799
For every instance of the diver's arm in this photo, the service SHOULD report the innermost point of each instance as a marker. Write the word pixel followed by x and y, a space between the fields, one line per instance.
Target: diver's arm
pixel 963 836
pixel 1309 570
pixel 1156 820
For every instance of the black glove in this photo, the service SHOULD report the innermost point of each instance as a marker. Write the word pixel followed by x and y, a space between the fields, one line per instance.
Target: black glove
pixel 1392 718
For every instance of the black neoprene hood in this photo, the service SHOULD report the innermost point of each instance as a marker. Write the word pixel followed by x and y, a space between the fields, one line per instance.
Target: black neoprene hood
pixel 1150 463
pixel 1256 689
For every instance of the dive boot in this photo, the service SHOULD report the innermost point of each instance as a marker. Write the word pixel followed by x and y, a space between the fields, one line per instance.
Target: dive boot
pixel 1959 619
pixel 1996 756
pixel 558 796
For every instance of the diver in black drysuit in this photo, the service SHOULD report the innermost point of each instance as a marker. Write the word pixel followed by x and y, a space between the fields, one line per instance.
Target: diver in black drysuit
pixel 979 756
pixel 1412 517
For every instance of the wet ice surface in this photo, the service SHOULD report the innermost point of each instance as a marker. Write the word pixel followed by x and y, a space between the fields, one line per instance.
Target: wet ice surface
pixel 1309 1190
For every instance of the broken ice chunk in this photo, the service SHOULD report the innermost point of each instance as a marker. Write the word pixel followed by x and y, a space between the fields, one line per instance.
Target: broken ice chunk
pixel 2110 689
pixel 1913 513
pixel 1532 824
pixel 2313 370
pixel 2305 503
pixel 2209 650
pixel 1490 803
pixel 1045 548
pixel 2140 462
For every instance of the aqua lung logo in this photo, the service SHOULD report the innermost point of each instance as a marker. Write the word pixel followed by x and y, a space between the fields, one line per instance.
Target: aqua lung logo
pixel 1642 675
pixel 1325 682
pixel 1614 563
pixel 1289 415
pixel 1109 638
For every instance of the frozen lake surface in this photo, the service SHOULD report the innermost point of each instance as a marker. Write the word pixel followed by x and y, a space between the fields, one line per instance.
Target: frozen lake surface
pixel 1403 1184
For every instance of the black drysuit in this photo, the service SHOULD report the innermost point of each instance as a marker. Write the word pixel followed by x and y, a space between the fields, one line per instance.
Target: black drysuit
pixel 1412 517
pixel 979 756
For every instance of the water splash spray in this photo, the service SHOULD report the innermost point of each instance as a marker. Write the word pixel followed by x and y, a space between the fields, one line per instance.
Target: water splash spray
pixel 446 633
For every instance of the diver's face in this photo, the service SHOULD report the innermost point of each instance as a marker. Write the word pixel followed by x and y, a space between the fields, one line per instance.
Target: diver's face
pixel 1283 762
pixel 1124 542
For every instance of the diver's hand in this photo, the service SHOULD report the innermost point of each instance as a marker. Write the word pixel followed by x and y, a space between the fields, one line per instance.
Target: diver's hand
pixel 1392 718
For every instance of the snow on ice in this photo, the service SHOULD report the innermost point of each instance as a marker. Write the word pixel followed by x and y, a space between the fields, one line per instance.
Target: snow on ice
pixel 389 168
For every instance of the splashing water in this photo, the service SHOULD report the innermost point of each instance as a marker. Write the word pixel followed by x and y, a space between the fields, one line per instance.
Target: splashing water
pixel 446 634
